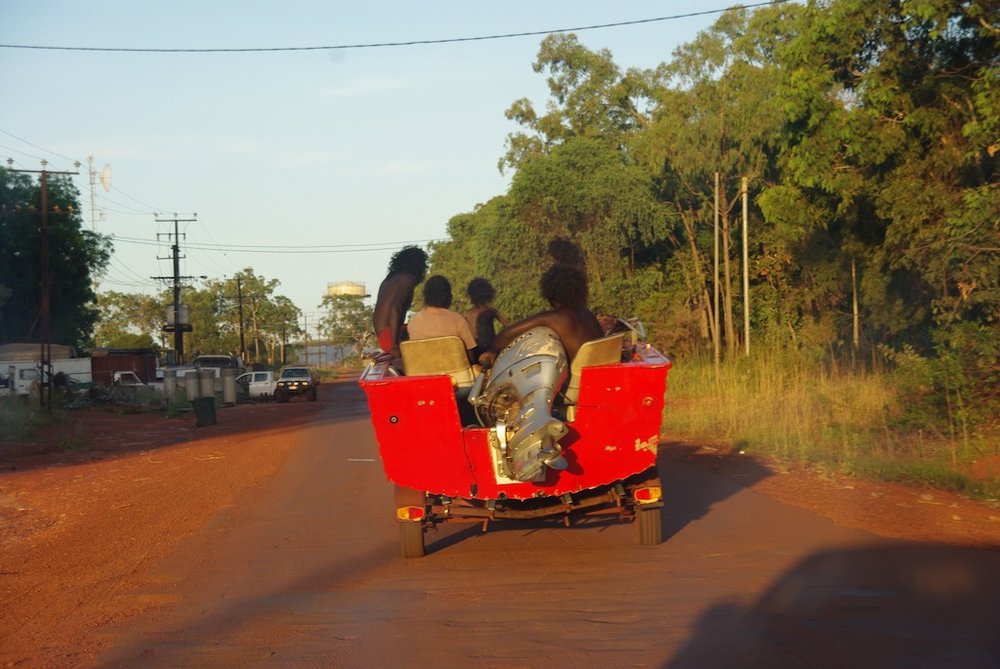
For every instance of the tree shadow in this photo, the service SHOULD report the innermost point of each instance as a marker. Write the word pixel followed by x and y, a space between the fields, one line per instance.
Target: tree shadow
pixel 687 494
pixel 901 605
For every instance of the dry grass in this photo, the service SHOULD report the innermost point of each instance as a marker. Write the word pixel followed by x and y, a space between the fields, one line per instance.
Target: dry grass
pixel 786 406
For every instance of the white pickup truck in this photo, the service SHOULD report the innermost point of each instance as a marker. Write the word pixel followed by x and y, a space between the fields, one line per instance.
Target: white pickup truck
pixel 259 385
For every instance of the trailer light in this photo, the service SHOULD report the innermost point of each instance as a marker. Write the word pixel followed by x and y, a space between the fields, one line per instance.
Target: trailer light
pixel 405 513
pixel 648 494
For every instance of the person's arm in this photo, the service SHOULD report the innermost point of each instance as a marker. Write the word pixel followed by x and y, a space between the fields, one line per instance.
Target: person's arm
pixel 509 334
pixel 497 316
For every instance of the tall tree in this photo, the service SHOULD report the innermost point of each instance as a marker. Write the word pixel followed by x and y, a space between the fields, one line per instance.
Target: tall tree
pixel 76 257
pixel 129 320
pixel 347 322
pixel 590 97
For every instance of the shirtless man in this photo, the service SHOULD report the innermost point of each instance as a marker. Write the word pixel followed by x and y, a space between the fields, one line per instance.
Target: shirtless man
pixel 565 288
pixel 407 268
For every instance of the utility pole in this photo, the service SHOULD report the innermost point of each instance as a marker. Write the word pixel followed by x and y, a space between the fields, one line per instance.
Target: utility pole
pixel 239 295
pixel 305 327
pixel 717 339
pixel 746 273
pixel 176 327
pixel 45 298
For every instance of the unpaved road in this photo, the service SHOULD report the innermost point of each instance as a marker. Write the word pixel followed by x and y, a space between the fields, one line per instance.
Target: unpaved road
pixel 268 540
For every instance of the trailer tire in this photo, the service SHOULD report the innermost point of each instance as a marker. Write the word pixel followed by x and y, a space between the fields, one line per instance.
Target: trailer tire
pixel 648 530
pixel 411 539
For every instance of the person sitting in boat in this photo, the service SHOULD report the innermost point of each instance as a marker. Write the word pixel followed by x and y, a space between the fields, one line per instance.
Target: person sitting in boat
pixel 436 318
pixel 482 316
pixel 564 286
pixel 407 269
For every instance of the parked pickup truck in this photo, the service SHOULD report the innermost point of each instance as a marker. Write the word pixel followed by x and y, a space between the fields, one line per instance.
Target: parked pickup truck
pixel 257 385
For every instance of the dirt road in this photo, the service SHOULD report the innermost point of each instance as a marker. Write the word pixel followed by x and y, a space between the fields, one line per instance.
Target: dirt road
pixel 268 540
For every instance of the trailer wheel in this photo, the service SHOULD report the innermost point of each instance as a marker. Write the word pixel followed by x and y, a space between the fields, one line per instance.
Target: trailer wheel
pixel 411 539
pixel 648 530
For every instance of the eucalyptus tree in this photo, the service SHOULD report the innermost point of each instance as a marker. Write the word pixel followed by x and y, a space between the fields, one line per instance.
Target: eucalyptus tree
pixel 130 320
pixel 575 179
pixel 347 321
pixel 280 320
pixel 244 299
pixel 717 113
pixel 589 97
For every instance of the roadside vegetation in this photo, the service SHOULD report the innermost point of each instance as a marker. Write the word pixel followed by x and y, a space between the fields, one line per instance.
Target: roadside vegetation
pixel 837 418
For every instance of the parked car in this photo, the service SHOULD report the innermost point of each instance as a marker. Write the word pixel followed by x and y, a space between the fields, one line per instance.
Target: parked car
pixel 294 381
pixel 258 385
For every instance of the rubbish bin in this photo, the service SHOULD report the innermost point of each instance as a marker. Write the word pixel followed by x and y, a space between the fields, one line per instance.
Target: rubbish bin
pixel 204 410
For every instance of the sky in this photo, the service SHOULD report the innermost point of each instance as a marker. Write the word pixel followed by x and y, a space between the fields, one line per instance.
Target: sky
pixel 309 166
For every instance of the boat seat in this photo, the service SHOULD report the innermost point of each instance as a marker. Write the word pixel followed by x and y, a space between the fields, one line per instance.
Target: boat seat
pixel 604 351
pixel 439 355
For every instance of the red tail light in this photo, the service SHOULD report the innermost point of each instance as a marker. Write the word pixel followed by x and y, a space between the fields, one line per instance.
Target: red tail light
pixel 405 513
pixel 648 494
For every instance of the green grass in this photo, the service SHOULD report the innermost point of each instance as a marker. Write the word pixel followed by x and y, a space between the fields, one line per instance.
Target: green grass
pixel 788 407
pixel 20 419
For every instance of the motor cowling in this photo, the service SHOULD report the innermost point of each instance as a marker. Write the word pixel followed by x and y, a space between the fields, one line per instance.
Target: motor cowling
pixel 517 402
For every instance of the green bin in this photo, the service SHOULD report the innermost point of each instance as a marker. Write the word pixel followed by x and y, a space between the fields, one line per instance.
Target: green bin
pixel 204 410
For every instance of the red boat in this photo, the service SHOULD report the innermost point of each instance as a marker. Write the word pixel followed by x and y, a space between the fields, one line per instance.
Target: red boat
pixel 531 438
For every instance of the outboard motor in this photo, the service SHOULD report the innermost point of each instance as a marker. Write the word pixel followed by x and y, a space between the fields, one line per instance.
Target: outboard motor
pixel 517 403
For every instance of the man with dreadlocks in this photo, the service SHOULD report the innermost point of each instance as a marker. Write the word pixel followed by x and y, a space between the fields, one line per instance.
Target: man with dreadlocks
pixel 407 268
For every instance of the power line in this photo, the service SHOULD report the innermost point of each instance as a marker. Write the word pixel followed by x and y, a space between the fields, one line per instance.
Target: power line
pixel 378 45
pixel 275 248
pixel 41 148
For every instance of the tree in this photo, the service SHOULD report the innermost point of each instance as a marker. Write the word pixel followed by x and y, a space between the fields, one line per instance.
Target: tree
pixel 590 97
pixel 280 318
pixel 128 320
pixel 76 257
pixel 347 322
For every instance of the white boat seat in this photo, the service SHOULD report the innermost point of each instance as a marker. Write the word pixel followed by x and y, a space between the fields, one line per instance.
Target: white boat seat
pixel 439 355
pixel 604 351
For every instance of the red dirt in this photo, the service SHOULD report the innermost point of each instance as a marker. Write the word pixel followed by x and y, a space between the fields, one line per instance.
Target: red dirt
pixel 73 522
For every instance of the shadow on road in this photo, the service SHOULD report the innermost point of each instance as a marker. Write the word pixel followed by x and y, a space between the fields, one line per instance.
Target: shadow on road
pixel 901 605
pixel 687 498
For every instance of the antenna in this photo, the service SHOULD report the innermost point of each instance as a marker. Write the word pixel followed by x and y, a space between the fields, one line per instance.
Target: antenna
pixel 106 178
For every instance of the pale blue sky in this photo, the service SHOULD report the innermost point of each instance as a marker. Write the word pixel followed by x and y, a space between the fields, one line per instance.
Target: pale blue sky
pixel 371 147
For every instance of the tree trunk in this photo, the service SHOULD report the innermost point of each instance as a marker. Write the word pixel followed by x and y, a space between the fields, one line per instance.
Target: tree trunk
pixel 705 298
pixel 856 330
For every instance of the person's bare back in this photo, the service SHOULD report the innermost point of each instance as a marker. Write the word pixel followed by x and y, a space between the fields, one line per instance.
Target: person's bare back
pixel 406 270
pixel 565 287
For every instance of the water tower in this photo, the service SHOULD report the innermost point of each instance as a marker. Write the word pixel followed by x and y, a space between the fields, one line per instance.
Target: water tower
pixel 352 288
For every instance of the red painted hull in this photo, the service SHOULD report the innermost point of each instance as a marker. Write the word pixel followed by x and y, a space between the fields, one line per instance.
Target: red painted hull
pixel 424 446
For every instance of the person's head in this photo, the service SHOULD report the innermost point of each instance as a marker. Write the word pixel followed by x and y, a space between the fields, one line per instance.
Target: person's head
pixel 566 252
pixel 409 259
pixel 480 292
pixel 565 285
pixel 437 292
